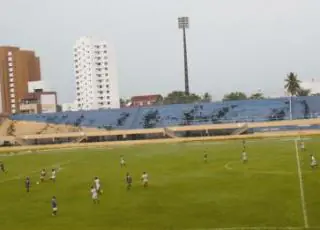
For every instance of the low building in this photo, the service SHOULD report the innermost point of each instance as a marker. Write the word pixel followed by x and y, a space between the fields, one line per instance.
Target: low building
pixel 37 85
pixel 145 100
pixel 39 102
pixel 69 107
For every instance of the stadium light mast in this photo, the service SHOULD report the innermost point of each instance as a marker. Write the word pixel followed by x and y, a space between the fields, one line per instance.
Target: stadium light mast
pixel 183 23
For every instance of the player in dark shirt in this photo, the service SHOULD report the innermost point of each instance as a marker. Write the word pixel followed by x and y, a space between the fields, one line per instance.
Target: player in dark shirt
pixel 2 167
pixel 205 157
pixel 244 145
pixel 54 206
pixel 128 181
pixel 27 183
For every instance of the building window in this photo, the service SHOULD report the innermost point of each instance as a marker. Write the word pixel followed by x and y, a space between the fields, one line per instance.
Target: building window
pixel 10 64
pixel 12 90
pixel 108 102
pixel 108 91
pixel 10 74
pixel 12 95
pixel 107 86
pixel 10 69
pixel 108 97
pixel 9 58
pixel 13 106
pixel 11 79
pixel 13 101
pixel 13 110
pixel 9 53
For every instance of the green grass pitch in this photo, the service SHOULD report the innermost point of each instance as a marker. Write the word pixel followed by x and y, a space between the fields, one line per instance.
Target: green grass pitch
pixel 184 192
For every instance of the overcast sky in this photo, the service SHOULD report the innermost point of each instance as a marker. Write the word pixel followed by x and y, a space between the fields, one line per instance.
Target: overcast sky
pixel 242 45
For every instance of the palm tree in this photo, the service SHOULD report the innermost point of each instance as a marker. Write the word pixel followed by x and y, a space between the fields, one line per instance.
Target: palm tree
pixel 206 97
pixel 292 84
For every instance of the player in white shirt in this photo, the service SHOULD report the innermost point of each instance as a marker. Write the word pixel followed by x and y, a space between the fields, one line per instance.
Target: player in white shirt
pixel 145 179
pixel 53 175
pixel 244 157
pixel 314 163
pixel 43 174
pixel 97 185
pixel 122 161
pixel 94 195
pixel 302 146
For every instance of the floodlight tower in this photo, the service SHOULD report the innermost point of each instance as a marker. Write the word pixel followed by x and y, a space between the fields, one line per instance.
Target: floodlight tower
pixel 183 23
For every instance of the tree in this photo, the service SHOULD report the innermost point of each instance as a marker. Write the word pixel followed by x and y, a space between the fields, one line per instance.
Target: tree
pixel 292 84
pixel 159 101
pixel 315 94
pixel 124 102
pixel 179 97
pixel 304 92
pixel 235 96
pixel 206 97
pixel 257 96
pixel 59 108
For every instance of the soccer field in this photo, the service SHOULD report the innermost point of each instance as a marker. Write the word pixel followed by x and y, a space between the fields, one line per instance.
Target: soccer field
pixel 272 191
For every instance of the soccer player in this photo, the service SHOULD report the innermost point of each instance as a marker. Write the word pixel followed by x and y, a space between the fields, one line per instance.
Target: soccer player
pixel 144 179
pixel 244 145
pixel 2 167
pixel 205 157
pixel 97 185
pixel 94 195
pixel 122 161
pixel 53 175
pixel 54 206
pixel 43 174
pixel 302 146
pixel 314 163
pixel 128 181
pixel 27 184
pixel 244 157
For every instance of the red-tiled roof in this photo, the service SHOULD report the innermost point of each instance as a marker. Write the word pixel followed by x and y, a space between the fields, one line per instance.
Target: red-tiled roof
pixel 145 97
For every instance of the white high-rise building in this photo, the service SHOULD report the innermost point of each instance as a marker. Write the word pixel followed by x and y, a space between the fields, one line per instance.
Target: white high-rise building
pixel 96 75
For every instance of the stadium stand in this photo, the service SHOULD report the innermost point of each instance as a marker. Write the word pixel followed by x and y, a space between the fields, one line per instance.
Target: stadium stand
pixel 184 114
pixel 166 121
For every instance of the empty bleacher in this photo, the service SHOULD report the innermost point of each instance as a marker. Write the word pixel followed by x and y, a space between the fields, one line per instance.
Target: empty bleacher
pixel 173 115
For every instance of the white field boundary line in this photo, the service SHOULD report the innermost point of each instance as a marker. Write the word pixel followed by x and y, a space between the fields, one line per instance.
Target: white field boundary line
pixel 302 196
pixel 25 152
pixel 227 166
pixel 257 228
pixel 18 177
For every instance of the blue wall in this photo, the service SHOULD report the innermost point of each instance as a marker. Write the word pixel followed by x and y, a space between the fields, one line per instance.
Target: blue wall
pixel 185 114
